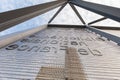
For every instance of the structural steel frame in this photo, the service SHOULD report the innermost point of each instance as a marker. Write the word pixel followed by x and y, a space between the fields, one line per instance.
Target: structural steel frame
pixel 11 18
pixel 74 9
pixel 107 11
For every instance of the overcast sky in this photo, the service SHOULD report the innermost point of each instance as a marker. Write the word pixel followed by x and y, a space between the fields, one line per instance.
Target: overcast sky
pixel 67 16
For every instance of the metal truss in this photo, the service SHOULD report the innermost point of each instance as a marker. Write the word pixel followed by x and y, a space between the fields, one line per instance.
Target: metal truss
pixel 74 9
pixel 107 11
pixel 11 18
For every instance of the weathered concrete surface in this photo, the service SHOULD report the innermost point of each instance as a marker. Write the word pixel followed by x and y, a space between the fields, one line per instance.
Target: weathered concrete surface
pixel 95 58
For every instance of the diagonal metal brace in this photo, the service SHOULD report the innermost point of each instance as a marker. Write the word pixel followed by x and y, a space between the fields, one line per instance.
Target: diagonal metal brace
pixel 57 12
pixel 77 13
pixel 98 20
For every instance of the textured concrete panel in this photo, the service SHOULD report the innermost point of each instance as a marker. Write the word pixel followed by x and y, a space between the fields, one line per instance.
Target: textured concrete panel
pixel 93 57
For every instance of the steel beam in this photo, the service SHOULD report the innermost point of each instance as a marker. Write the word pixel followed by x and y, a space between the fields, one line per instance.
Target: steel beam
pixel 57 12
pixel 106 27
pixel 106 35
pixel 83 26
pixel 98 20
pixel 77 13
pixel 66 26
pixel 107 11
pixel 11 18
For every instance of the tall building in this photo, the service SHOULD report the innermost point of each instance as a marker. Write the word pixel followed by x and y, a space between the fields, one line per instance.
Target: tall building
pixel 60 52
